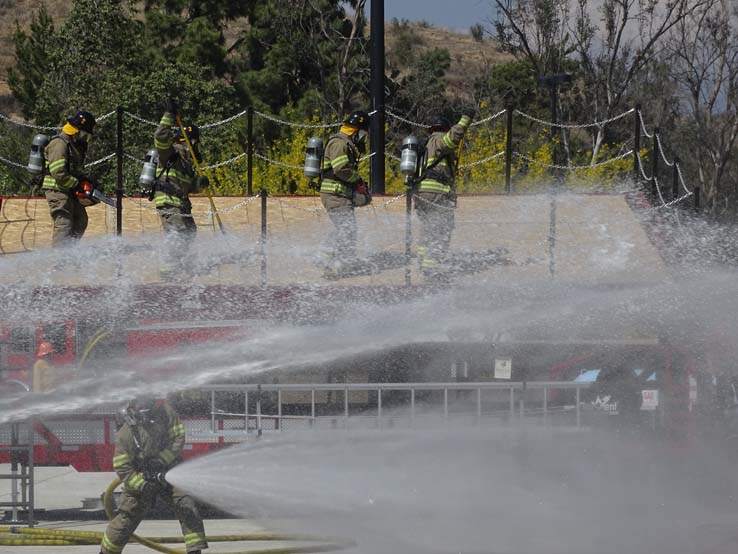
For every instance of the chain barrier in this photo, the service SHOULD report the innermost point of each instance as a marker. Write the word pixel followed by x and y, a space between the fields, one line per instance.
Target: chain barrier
pixel 391 200
pixel 230 161
pixel 681 179
pixel 289 204
pixel 28 125
pixel 417 197
pixel 141 119
pixel 132 158
pixel 575 125
pixel 483 160
pixel 661 151
pixel 101 160
pixel 673 202
pixel 643 126
pixel 400 118
pixel 488 119
pixel 207 214
pixel 11 162
pixel 224 121
pixel 299 125
pixel 640 167
pixel 275 162
pixel 658 191
pixel 105 116
pixel 573 167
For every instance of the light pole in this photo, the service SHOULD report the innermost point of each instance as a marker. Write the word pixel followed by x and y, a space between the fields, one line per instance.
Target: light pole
pixel 376 163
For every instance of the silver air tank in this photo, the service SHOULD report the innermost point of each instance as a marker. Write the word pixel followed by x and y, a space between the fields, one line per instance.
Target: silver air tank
pixel 313 158
pixel 36 158
pixel 409 156
pixel 148 171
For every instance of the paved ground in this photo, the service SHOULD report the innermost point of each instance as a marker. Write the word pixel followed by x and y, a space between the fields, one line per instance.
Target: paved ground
pixel 62 489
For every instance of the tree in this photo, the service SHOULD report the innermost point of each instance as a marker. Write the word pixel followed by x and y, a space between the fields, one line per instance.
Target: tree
pixel 32 61
pixel 309 53
pixel 703 55
pixel 609 53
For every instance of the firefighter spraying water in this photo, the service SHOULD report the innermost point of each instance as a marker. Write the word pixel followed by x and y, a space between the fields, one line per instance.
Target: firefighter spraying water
pixel 149 443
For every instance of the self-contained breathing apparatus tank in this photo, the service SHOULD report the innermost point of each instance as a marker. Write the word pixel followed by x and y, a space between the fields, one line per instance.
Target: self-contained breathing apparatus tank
pixel 36 159
pixel 148 171
pixel 410 156
pixel 313 158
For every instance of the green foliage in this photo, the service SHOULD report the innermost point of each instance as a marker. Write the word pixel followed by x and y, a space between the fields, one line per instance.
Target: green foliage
pixel 304 62
pixel 32 61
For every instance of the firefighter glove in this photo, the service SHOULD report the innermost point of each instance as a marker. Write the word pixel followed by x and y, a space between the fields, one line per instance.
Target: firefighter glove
pixel 170 105
pixel 465 120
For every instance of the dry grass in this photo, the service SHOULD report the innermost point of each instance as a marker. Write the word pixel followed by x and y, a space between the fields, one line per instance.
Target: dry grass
pixel 469 58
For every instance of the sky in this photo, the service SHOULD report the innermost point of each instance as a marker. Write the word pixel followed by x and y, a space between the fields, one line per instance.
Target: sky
pixel 450 14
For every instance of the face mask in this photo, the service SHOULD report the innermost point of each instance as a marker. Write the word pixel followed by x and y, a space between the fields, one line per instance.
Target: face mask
pixel 196 150
pixel 360 141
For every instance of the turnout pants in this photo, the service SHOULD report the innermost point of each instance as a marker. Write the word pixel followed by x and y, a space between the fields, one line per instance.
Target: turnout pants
pixel 179 232
pixel 133 508
pixel 69 217
pixel 341 244
pixel 436 214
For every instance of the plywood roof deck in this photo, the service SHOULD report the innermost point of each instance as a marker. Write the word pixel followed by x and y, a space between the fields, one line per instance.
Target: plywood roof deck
pixel 595 239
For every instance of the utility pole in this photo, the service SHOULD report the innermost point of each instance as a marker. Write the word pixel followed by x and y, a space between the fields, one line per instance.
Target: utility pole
pixel 376 166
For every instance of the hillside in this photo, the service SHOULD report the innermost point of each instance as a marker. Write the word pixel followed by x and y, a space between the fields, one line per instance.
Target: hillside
pixel 469 57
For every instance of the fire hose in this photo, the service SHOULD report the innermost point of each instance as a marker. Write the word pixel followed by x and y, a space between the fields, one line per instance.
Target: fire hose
pixel 29 536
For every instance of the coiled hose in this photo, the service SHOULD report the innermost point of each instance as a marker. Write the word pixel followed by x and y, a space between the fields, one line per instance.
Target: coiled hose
pixel 28 536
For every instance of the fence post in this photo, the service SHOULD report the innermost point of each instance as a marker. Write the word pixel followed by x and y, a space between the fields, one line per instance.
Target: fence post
pixel 379 408
pixel 408 235
pixel 212 411
pixel 636 141
pixel 545 406
pixel 258 410
pixel 675 182
pixel 262 243
pixel 697 205
pixel 508 148
pixel 250 150
pixel 412 407
pixel 654 164
pixel 119 182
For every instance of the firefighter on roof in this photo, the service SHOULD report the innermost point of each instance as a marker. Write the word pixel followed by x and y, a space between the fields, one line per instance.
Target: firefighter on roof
pixel 435 197
pixel 63 176
pixel 176 179
pixel 148 445
pixel 342 188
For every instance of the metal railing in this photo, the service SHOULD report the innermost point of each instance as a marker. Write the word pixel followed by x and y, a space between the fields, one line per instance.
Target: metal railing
pixel 469 396
pixel 20 477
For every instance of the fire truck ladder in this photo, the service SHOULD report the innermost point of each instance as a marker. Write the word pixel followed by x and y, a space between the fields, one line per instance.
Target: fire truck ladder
pixel 21 474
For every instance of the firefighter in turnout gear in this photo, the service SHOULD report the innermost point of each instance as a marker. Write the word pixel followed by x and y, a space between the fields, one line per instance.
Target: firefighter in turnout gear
pixel 65 158
pixel 435 196
pixel 176 179
pixel 342 188
pixel 148 445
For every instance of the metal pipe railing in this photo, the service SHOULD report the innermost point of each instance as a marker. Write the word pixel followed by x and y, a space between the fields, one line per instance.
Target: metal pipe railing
pixel 380 388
